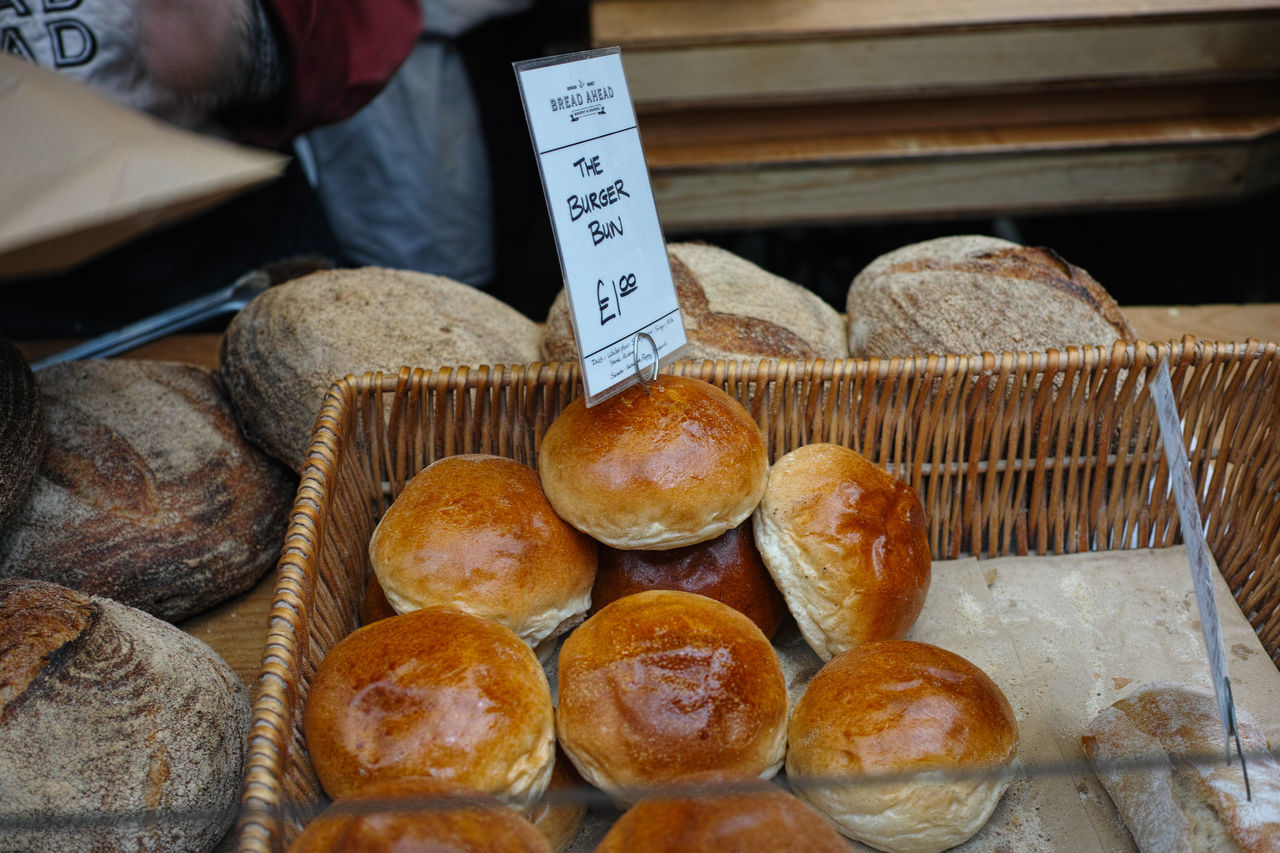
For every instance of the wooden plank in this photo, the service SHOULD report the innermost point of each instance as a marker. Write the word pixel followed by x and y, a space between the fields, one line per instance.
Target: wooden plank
pixel 652 23
pixel 1008 180
pixel 963 60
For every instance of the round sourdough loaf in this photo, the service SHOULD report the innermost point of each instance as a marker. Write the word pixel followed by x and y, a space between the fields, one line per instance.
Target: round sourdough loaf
pixel 972 294
pixel 147 491
pixel 897 708
pixel 732 310
pixel 117 731
pixel 21 429
pixel 674 462
pixel 283 350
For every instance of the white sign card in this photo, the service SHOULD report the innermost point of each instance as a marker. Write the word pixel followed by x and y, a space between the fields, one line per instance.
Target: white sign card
pixel 613 255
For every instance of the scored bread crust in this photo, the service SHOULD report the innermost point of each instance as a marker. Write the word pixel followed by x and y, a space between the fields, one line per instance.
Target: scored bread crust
pixel 664 683
pixel 1159 754
pixel 971 294
pixel 847 544
pixel 732 309
pixel 675 462
pixel 902 707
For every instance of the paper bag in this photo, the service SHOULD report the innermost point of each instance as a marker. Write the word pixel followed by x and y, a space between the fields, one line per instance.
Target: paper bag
pixel 80 173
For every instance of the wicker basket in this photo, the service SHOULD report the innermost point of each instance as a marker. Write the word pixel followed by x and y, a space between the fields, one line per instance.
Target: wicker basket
pixel 1031 453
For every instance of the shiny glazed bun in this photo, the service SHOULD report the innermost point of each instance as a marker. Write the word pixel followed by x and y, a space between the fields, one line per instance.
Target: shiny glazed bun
pixel 672 463
pixel 713 812
pixel 846 543
pixel 475 532
pixel 559 814
pixel 901 707
pixel 436 692
pixel 419 813
pixel 727 568
pixel 664 683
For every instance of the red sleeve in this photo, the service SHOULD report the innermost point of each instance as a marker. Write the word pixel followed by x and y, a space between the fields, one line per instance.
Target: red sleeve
pixel 338 54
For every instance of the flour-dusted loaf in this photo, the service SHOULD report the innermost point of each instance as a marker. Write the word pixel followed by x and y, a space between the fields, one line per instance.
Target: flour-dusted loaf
pixel 283 350
pixel 118 731
pixel 732 309
pixel 971 294
pixel 147 492
pixel 21 429
pixel 1161 754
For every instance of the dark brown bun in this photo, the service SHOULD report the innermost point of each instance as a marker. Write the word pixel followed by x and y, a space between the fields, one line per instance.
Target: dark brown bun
pixel 711 812
pixel 727 568
pixel 476 532
pixel 972 294
pixel 118 731
pixel 21 429
pixel 147 492
pixel 664 683
pixel 436 692
pixel 847 544
pixel 901 707
pixel 418 813
pixel 732 309
pixel 672 463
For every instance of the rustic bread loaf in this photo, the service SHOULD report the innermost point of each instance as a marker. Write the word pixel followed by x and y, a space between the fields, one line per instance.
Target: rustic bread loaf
pixel 283 350
pixel 147 492
pixel 117 731
pixel 1159 753
pixel 732 309
pixel 897 708
pixel 21 429
pixel 972 294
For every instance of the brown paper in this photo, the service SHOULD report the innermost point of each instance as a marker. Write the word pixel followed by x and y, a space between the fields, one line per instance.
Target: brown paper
pixel 79 173
pixel 1065 637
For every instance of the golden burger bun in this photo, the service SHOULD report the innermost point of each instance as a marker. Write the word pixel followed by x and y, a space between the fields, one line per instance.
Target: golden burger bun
pixel 901 707
pixel 475 532
pixel 847 544
pixel 674 462
pixel 436 692
pixel 713 812
pixel 727 568
pixel 664 683
pixel 419 813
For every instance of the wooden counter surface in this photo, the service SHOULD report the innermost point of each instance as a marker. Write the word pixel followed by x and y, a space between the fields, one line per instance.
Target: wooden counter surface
pixel 236 628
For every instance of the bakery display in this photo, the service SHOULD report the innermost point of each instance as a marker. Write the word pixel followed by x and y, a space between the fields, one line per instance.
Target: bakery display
pixel 899 708
pixel 714 811
pixel 673 462
pixel 732 310
pixel 664 683
pixel 147 491
pixel 21 429
pixel 847 544
pixel 283 350
pixel 475 532
pixel 727 568
pixel 117 730
pixel 1160 752
pixel 971 294
pixel 434 692
pixel 419 813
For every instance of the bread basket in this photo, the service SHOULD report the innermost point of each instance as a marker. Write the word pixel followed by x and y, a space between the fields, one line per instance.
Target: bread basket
pixel 1031 453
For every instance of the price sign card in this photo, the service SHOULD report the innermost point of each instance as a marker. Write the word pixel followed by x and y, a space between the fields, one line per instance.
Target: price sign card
pixel 613 255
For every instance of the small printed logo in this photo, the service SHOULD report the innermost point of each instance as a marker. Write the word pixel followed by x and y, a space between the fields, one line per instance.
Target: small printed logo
pixel 582 99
